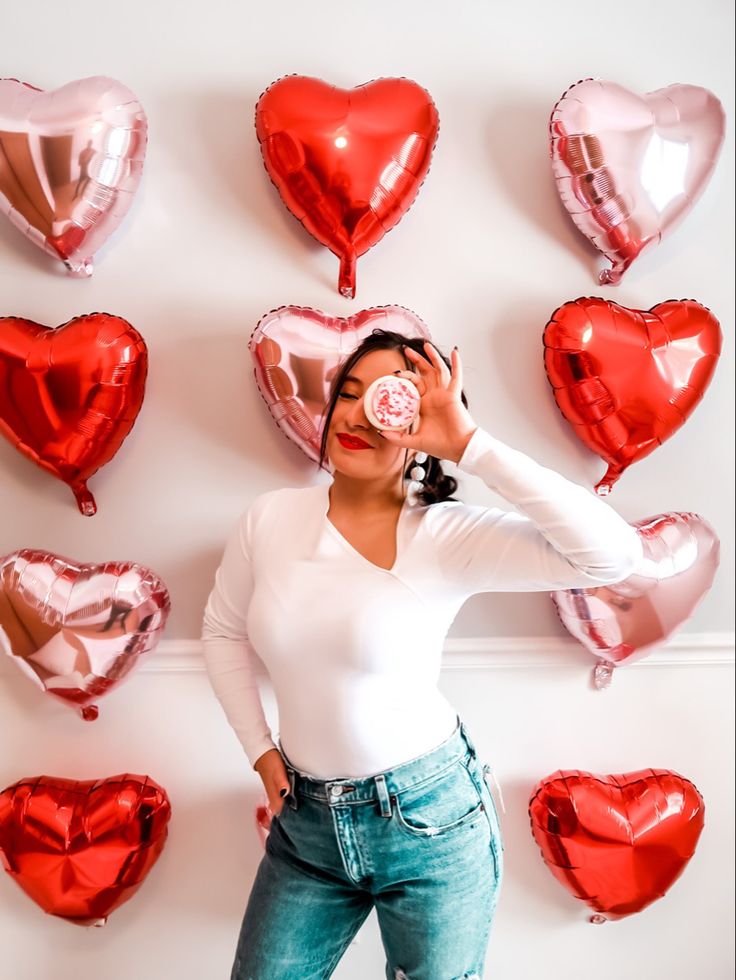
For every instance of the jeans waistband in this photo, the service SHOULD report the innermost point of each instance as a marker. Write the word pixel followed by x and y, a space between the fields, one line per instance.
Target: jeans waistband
pixel 378 786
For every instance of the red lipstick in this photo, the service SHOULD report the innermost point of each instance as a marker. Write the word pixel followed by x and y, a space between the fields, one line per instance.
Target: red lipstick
pixel 351 442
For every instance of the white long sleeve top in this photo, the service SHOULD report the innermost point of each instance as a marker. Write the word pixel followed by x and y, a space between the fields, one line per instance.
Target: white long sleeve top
pixel 354 650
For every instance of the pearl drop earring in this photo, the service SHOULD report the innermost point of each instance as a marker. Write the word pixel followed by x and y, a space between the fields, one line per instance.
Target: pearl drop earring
pixel 417 474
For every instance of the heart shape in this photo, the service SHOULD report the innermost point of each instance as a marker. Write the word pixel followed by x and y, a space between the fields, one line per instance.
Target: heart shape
pixel 69 396
pixel 348 163
pixel 628 168
pixel 296 352
pixel 616 842
pixel 70 162
pixel 626 380
pixel 621 623
pixel 80 848
pixel 78 630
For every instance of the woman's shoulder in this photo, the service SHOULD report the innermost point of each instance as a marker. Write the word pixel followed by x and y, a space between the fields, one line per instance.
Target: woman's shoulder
pixel 281 502
pixel 451 518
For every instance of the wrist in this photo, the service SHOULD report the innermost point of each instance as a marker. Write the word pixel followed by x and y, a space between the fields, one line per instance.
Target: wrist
pixel 463 444
pixel 257 765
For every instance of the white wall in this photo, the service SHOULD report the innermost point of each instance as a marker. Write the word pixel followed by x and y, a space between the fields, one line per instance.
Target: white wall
pixel 484 257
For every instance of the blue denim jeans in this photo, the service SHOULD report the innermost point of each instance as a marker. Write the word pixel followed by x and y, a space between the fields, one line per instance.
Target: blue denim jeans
pixel 421 842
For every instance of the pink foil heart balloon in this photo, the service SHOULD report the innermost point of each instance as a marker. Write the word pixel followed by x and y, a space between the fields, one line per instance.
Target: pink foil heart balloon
pixel 629 167
pixel 78 630
pixel 621 623
pixel 70 162
pixel 296 351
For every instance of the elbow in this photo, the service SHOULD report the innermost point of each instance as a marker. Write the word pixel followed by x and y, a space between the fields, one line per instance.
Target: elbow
pixel 211 629
pixel 207 632
pixel 622 563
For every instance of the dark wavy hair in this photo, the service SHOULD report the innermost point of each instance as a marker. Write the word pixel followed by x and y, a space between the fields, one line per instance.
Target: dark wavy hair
pixel 436 485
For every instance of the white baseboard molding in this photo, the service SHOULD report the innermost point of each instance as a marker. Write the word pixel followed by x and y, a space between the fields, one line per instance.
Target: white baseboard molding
pixel 492 652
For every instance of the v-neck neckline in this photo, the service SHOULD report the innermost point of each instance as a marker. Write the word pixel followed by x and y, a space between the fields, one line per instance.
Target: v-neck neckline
pixel 346 544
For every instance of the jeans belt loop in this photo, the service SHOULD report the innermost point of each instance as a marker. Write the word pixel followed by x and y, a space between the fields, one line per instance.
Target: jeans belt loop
pixel 383 795
pixel 468 739
pixel 291 773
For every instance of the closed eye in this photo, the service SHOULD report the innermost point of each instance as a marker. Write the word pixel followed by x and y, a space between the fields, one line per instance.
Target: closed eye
pixel 344 395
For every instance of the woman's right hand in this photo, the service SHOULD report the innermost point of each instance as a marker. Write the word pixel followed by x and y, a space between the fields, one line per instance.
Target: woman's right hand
pixel 272 770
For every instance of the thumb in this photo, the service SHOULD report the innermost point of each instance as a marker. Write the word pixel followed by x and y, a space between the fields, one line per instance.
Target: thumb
pixel 390 436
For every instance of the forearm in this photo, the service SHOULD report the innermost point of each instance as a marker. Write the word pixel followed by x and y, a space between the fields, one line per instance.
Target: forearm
pixel 579 525
pixel 232 675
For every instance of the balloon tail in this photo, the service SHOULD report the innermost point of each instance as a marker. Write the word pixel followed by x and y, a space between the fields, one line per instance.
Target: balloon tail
pixel 612 276
pixel 90 713
pixel 79 270
pixel 602 674
pixel 598 919
pixel 604 486
pixel 85 500
pixel 346 280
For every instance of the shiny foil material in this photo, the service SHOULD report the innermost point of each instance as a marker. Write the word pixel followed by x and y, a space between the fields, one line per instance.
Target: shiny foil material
pixel 69 396
pixel 296 353
pixel 348 163
pixel 71 160
pixel 629 168
pixel 624 622
pixel 78 630
pixel 616 842
pixel 80 848
pixel 262 818
pixel 626 380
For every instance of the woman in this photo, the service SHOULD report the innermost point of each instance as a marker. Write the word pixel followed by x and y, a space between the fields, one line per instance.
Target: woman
pixel 347 591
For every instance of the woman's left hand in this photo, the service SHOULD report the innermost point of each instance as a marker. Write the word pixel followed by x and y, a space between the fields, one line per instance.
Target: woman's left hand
pixel 443 426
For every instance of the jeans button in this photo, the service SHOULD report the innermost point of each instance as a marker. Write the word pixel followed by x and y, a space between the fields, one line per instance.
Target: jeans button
pixel 336 790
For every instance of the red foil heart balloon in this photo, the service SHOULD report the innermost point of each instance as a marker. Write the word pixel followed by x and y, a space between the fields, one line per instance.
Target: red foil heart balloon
pixel 626 380
pixel 348 163
pixel 80 848
pixel 296 352
pixel 70 162
pixel 263 817
pixel 78 630
pixel 616 842
pixel 69 396
pixel 624 622
pixel 629 168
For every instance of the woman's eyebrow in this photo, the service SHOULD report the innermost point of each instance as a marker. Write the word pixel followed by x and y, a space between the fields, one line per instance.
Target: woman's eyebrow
pixel 351 377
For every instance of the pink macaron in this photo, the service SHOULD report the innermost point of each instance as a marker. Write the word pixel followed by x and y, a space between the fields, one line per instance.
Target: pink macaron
pixel 391 402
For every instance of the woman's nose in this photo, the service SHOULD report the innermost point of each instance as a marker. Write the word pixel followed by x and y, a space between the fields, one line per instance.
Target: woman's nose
pixel 356 415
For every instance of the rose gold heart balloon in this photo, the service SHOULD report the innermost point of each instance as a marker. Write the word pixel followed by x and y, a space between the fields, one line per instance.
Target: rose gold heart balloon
pixel 70 162
pixel 78 630
pixel 622 623
pixel 296 351
pixel 629 167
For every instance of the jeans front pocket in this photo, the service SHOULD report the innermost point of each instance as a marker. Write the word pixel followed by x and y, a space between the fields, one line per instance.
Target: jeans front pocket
pixel 440 805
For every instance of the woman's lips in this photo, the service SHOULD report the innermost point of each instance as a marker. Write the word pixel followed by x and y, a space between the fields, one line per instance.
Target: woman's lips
pixel 349 443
